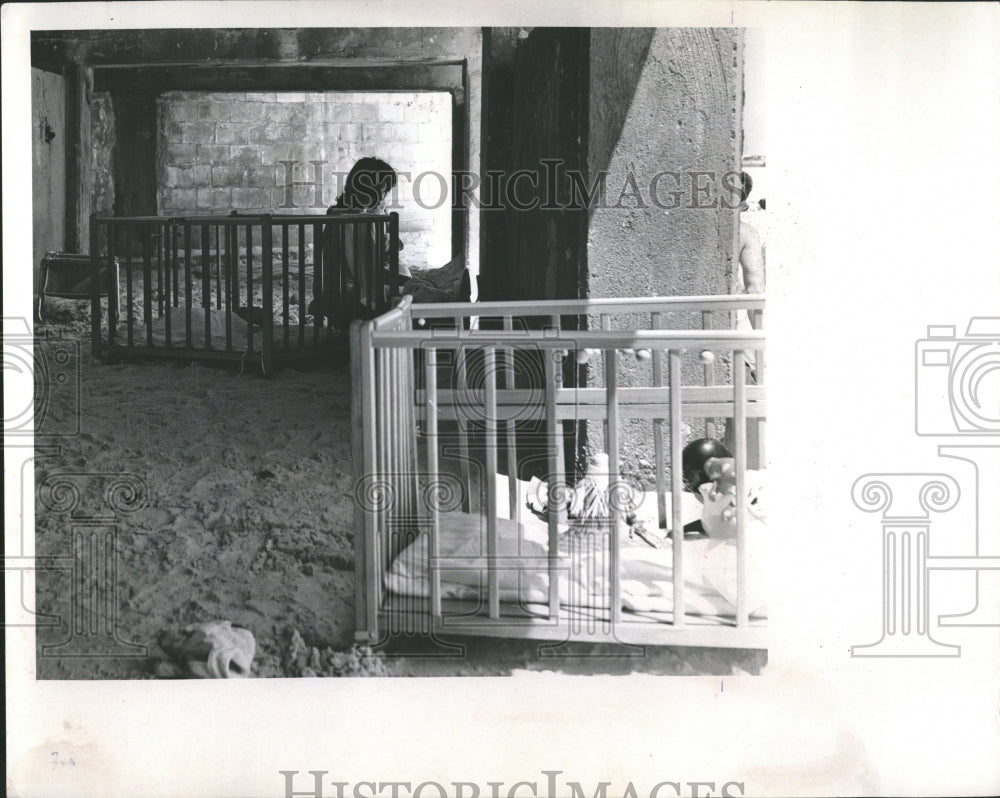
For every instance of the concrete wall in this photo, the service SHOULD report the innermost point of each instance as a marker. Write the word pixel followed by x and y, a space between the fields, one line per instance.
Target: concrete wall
pixel 663 100
pixel 48 164
pixel 219 152
pixel 102 125
pixel 268 49
pixel 680 116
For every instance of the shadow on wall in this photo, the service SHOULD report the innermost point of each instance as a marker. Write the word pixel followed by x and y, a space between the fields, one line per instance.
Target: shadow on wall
pixel 616 62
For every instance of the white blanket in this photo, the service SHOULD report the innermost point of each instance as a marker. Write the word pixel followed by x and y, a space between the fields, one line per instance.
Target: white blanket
pixel 522 549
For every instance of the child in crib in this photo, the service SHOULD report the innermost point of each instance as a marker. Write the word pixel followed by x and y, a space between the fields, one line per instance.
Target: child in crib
pixel 350 249
pixel 710 473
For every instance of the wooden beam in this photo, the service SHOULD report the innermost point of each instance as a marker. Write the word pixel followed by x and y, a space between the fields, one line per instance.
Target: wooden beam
pixel 75 90
pixel 54 49
pixel 272 77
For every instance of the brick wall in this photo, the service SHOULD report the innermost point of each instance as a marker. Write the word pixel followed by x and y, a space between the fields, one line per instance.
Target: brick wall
pixel 218 152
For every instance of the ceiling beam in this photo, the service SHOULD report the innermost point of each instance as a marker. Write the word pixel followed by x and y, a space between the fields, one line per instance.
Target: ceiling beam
pixel 155 79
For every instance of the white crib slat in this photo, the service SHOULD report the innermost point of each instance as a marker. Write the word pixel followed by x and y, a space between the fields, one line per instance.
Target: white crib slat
pixel 490 419
pixel 611 388
pixel 656 320
pixel 514 504
pixel 373 526
pixel 430 367
pixel 383 472
pixel 463 434
pixel 555 322
pixel 740 444
pixel 706 324
pixel 677 527
pixel 557 481
pixel 760 424
pixel 407 428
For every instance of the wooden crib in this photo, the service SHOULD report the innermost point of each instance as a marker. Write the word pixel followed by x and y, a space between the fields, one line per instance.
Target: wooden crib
pixel 238 287
pixel 455 406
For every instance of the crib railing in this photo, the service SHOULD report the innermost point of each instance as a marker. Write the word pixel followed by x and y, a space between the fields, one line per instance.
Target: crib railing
pixel 399 358
pixel 282 276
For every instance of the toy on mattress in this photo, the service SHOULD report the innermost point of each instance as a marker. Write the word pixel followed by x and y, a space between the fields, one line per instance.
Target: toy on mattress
pixel 646 562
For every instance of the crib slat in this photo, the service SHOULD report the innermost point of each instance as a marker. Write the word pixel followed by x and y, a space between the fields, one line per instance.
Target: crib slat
pixel 248 236
pixel 760 424
pixel 302 285
pixel 611 388
pixel 350 300
pixel 513 499
pixel 740 455
pixel 394 252
pixel 187 283
pixel 490 419
pixel 161 249
pixel 555 322
pixel 128 282
pixel 557 483
pixel 433 468
pixel 206 284
pixel 706 324
pixel 656 320
pixel 147 283
pixel 390 471
pixel 362 267
pixel 319 280
pixel 175 263
pixel 248 300
pixel 382 469
pixel 218 267
pixel 284 286
pixel 676 485
pixel 113 297
pixel 407 361
pixel 380 304
pixel 170 234
pixel 95 286
pixel 370 471
pixel 463 432
pixel 232 247
pixel 267 292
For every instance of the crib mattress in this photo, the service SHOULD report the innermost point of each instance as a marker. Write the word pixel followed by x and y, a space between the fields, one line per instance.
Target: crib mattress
pixel 583 569
pixel 239 337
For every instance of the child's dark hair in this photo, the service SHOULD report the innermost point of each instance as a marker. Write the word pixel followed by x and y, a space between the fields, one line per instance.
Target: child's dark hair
pixel 369 180
pixel 693 460
pixel 746 186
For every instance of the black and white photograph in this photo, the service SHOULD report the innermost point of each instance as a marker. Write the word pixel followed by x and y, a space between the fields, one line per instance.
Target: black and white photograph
pixel 295 495
pixel 436 342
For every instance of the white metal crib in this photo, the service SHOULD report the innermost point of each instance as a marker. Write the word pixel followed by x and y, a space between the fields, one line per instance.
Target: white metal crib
pixel 448 400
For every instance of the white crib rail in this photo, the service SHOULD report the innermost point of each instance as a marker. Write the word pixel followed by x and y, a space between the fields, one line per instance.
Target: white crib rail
pixel 385 352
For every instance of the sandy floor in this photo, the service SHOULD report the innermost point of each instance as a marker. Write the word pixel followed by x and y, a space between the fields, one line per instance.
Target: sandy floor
pixel 244 514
